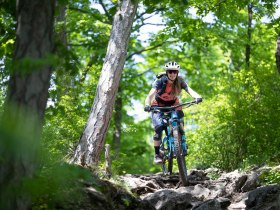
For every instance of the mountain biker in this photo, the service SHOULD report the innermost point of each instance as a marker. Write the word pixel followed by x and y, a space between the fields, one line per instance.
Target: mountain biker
pixel 165 92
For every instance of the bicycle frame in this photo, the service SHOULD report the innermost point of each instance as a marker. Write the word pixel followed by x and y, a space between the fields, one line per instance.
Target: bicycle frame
pixel 173 121
pixel 174 140
pixel 167 146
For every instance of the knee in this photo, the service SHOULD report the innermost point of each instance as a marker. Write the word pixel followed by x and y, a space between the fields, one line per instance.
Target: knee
pixel 158 133
pixel 180 114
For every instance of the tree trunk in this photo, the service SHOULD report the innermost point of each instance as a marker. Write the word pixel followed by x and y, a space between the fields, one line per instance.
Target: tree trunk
pixel 108 170
pixel 29 82
pixel 249 35
pixel 60 19
pixel 277 54
pixel 118 124
pixel 21 123
pixel 91 142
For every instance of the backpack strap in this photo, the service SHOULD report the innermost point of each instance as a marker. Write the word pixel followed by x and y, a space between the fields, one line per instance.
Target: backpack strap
pixel 163 79
pixel 161 74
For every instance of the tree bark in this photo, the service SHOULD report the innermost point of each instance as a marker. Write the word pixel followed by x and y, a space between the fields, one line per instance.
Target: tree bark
pixel 108 170
pixel 118 124
pixel 91 142
pixel 249 35
pixel 277 54
pixel 21 123
pixel 60 19
pixel 29 82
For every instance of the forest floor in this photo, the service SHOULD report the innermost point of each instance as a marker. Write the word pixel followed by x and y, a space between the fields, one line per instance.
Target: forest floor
pixel 208 189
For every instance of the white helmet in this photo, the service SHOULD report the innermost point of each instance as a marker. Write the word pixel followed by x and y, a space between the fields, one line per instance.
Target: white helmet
pixel 172 66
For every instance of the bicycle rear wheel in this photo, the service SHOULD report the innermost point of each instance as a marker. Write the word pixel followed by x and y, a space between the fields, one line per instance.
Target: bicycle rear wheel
pixel 180 156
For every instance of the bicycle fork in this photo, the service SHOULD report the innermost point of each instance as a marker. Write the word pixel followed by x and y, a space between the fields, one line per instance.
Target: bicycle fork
pixel 183 143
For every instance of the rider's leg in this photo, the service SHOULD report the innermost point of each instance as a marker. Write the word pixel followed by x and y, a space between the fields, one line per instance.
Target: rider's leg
pixel 157 142
pixel 182 126
pixel 158 128
pixel 180 114
pixel 181 117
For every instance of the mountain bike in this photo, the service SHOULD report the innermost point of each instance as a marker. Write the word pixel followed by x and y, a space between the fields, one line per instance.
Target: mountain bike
pixel 174 143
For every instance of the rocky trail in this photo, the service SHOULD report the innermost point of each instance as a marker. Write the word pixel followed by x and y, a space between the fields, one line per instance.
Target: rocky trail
pixel 208 190
pixel 233 191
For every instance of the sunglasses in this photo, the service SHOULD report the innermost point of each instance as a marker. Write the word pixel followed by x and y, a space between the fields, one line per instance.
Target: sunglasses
pixel 172 71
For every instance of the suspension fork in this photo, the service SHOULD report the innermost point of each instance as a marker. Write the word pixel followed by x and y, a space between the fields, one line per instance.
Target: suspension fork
pixel 177 122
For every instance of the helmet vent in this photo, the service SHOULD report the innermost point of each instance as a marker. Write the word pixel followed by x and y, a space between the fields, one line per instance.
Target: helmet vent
pixel 172 66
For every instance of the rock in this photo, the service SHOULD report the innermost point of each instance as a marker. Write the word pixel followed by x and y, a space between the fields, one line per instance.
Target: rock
pixel 200 192
pixel 276 168
pixel 140 185
pixel 237 206
pixel 198 175
pixel 98 199
pixel 264 198
pixel 112 197
pixel 209 205
pixel 239 182
pixel 170 199
pixel 251 182
pixel 224 202
pixel 238 201
pixel 235 181
pixel 231 191
pixel 217 189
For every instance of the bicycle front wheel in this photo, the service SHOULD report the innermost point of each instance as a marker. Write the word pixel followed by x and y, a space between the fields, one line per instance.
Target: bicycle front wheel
pixel 180 156
pixel 167 154
pixel 170 162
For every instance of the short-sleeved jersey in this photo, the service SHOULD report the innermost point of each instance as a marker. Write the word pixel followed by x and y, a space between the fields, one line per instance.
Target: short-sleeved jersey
pixel 167 98
pixel 159 83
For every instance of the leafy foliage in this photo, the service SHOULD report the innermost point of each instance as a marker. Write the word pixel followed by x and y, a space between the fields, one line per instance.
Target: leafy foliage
pixel 237 124
pixel 270 177
pixel 238 112
pixel 57 184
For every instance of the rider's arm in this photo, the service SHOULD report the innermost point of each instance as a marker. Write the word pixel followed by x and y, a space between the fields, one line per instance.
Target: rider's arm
pixel 192 93
pixel 150 97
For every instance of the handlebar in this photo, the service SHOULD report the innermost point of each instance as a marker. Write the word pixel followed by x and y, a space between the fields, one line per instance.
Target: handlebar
pixel 158 108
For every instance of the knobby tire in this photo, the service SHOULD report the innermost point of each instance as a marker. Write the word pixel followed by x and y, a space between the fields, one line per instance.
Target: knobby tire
pixel 180 156
pixel 170 162
pixel 167 164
